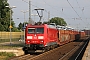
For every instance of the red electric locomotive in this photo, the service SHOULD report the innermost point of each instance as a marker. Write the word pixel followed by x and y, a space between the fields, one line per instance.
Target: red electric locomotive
pixel 39 38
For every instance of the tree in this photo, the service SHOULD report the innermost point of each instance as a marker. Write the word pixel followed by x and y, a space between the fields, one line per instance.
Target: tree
pixel 3 3
pixel 46 22
pixel 20 26
pixel 2 28
pixel 5 16
pixel 58 21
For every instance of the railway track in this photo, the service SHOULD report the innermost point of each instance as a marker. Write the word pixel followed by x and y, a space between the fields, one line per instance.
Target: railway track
pixel 70 51
pixel 76 53
pixel 66 50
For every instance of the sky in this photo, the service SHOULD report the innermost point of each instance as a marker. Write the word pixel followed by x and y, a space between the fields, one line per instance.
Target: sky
pixel 76 13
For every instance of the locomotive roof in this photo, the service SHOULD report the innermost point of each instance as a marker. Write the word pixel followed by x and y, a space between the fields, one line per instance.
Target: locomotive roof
pixel 49 26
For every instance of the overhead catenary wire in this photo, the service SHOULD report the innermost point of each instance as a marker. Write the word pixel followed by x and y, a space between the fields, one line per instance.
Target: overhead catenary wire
pixel 37 7
pixel 50 6
pixel 74 9
pixel 62 9
pixel 81 9
pixel 55 8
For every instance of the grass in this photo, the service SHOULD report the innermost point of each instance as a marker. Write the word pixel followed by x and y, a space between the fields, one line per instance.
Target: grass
pixel 5 55
pixel 7 46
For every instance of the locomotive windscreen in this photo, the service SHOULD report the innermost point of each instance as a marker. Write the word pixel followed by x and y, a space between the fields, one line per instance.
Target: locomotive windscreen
pixel 36 30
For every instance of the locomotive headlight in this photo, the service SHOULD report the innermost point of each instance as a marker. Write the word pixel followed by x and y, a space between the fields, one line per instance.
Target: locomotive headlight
pixel 28 41
pixel 42 41
pixel 40 37
pixel 29 37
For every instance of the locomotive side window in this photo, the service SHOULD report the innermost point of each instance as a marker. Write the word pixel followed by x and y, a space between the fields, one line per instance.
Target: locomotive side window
pixel 39 30
pixel 31 30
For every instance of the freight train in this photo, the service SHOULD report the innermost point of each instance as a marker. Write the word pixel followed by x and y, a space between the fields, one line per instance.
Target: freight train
pixel 43 37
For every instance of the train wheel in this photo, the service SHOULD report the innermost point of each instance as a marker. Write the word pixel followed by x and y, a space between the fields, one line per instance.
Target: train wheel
pixel 47 49
pixel 25 52
pixel 51 47
pixel 56 45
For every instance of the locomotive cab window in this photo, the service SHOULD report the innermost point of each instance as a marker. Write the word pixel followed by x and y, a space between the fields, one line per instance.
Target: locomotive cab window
pixel 39 30
pixel 36 30
pixel 31 30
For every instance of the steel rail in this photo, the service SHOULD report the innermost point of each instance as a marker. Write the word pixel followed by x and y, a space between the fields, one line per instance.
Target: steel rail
pixel 81 51
pixel 70 51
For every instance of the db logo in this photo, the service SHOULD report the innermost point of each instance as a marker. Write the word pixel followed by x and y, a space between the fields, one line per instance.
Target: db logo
pixel 35 37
